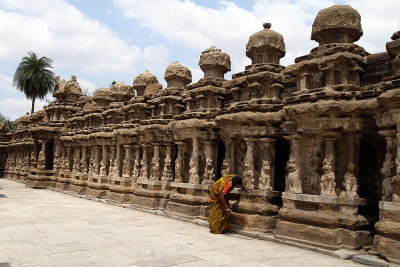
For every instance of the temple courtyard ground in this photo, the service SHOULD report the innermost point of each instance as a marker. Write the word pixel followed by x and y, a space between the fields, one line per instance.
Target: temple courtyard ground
pixel 47 228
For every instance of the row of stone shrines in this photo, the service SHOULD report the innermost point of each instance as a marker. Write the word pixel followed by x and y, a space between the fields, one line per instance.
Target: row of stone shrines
pixel 318 141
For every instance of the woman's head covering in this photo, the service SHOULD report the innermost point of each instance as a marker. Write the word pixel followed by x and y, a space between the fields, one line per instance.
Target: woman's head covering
pixel 237 180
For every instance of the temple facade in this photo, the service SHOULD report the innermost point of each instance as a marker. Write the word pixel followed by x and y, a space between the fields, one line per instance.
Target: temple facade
pixel 318 141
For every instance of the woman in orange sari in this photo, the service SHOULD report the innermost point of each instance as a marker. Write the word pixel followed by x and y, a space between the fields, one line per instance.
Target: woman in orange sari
pixel 218 203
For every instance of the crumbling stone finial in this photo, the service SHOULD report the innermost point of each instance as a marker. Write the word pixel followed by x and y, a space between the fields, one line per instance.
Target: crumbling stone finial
pixel 214 63
pixel 267 25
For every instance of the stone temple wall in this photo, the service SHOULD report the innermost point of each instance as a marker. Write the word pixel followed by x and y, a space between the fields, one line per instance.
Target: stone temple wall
pixel 318 140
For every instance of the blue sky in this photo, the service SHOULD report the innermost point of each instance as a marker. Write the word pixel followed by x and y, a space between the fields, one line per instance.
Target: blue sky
pixel 105 40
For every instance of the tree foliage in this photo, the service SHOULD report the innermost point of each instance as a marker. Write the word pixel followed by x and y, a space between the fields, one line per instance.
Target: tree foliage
pixel 9 124
pixel 34 77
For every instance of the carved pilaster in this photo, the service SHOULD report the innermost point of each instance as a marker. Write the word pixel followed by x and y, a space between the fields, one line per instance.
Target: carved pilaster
pixel 248 174
pixel 77 160
pixel 113 162
pixel 103 164
pixel 209 172
pixel 350 178
pixel 127 164
pixel 144 170
pixel 41 157
pixel 84 164
pixel 268 165
pixel 155 164
pixel 194 163
pixel 179 162
pixel 136 166
pixel 68 160
pixel 226 164
pixel 293 179
pixel 167 172
pixel 328 184
pixel 388 169
pixel 96 167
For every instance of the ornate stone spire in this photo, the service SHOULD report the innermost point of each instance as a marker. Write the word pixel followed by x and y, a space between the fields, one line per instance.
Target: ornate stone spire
pixel 214 63
pixel 177 75
pixel 337 24
pixel 266 46
pixel 146 84
pixel 67 91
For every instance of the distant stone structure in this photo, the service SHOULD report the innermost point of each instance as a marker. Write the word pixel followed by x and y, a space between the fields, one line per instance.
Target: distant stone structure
pixel 318 141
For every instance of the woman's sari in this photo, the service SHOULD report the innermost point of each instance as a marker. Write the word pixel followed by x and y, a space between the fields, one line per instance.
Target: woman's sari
pixel 218 217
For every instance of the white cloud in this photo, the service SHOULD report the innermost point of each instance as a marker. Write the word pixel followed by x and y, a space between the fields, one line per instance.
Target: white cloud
pixel 6 83
pixel 197 27
pixel 17 107
pixel 87 86
pixel 58 30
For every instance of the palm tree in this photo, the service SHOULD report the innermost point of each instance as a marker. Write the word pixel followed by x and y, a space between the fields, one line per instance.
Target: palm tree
pixel 34 77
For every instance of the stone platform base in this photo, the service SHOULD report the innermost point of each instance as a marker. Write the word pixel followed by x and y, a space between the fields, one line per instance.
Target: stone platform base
pixel 38 184
pixel 118 197
pixel 387 239
pixel 96 193
pixel 62 186
pixel 327 238
pixel 78 189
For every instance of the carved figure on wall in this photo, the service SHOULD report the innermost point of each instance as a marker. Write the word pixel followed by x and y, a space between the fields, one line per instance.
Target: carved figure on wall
pixel 248 174
pixel 265 175
pixel 225 169
pixel 293 182
pixel 155 169
pixel 167 172
pixel 193 172
pixel 328 183
pixel 209 172
pixel 350 181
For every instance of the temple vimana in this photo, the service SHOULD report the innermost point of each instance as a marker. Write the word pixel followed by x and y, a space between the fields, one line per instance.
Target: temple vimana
pixel 318 141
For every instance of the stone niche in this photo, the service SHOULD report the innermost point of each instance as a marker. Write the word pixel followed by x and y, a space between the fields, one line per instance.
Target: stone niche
pixel 317 141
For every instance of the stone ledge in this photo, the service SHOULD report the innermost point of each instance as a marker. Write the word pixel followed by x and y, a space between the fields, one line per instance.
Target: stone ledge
pixel 328 199
pixel 370 260
pixel 384 205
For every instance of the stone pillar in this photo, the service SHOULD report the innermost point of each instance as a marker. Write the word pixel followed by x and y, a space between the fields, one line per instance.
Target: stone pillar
pixel 144 171
pixel 136 166
pixel 103 164
pixel 155 163
pixel 396 178
pixel 209 173
pixel 113 162
pixel 248 174
pixel 350 178
pixel 34 157
pixel 96 168
pixel 57 155
pixel 117 163
pixel 328 184
pixel 127 164
pixel 179 162
pixel 42 156
pixel 62 160
pixel 293 179
pixel 84 164
pixel 226 164
pixel 68 166
pixel 194 163
pixel 92 161
pixel 77 160
pixel 268 165
pixel 167 172
pixel 388 169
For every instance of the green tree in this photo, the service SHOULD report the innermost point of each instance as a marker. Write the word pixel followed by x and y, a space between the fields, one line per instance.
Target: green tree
pixel 10 124
pixel 34 77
